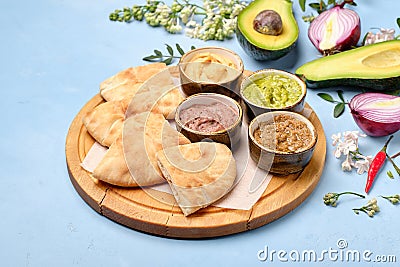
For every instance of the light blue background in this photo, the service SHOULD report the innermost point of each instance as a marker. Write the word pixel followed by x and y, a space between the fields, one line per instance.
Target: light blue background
pixel 54 54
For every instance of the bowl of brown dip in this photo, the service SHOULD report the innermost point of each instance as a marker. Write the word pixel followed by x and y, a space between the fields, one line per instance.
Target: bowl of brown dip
pixel 210 116
pixel 281 142
pixel 211 70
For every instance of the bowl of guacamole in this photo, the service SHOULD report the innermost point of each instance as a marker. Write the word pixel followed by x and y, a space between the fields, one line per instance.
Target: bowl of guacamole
pixel 271 90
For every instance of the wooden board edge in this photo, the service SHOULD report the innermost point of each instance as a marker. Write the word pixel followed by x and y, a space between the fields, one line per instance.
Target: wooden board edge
pixel 258 219
pixel 77 174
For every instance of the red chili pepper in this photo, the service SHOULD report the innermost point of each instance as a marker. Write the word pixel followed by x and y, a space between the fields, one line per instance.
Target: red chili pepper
pixel 376 165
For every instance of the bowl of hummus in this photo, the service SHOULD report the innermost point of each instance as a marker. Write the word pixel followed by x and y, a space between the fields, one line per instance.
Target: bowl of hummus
pixel 210 116
pixel 211 70
pixel 272 90
pixel 281 142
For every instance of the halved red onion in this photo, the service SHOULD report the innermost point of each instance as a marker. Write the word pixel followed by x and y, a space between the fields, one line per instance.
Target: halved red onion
pixel 376 114
pixel 336 29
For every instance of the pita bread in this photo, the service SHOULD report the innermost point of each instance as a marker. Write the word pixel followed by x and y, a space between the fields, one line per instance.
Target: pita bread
pixel 144 135
pixel 104 123
pixel 112 168
pixel 158 94
pixel 126 83
pixel 198 173
pixel 131 159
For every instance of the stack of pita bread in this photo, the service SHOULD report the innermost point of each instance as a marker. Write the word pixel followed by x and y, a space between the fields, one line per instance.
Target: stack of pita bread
pixel 144 150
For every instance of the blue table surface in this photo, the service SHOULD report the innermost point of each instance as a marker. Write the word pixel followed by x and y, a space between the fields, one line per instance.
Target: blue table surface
pixel 54 54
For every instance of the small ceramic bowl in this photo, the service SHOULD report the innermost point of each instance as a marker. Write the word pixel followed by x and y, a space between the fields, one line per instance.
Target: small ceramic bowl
pixel 275 161
pixel 229 136
pixel 253 109
pixel 193 85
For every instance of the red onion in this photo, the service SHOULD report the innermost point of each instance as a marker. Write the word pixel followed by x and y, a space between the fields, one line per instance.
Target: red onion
pixel 336 29
pixel 376 114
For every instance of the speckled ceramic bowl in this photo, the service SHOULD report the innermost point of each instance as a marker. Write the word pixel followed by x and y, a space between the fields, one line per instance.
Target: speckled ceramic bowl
pixel 253 109
pixel 279 162
pixel 191 86
pixel 229 136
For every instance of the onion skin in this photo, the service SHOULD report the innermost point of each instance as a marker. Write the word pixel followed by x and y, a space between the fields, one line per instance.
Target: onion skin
pixel 347 39
pixel 375 126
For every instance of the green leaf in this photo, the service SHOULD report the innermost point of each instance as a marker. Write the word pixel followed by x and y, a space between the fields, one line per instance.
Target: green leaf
pixel 170 50
pixel 326 97
pixel 398 22
pixel 158 53
pixel 150 58
pixel 192 47
pixel 364 39
pixel 180 50
pixel 340 94
pixel 390 174
pixel 302 4
pixel 331 2
pixel 315 6
pixel 339 109
pixel 168 61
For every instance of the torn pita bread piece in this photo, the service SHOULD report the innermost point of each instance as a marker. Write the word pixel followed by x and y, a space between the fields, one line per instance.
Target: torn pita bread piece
pixel 104 123
pixel 158 94
pixel 143 136
pixel 112 168
pixel 199 173
pixel 126 83
pixel 130 161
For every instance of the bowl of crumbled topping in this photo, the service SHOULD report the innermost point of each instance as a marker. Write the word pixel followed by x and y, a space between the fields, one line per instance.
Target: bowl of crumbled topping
pixel 281 142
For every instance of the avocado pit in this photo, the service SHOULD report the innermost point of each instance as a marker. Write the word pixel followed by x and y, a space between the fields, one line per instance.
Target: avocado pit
pixel 268 22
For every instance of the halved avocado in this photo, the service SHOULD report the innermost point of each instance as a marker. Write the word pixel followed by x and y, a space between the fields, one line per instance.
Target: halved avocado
pixel 263 46
pixel 375 66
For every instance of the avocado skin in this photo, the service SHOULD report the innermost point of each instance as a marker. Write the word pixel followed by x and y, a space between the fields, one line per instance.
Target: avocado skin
pixel 387 84
pixel 261 54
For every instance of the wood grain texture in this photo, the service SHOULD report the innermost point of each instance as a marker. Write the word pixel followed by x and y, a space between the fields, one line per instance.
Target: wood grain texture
pixel 138 210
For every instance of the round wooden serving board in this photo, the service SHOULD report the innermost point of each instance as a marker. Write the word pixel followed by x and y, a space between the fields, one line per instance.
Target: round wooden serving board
pixel 136 209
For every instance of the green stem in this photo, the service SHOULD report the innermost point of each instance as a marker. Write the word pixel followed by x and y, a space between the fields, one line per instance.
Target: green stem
pixel 351 193
pixel 394 164
pixel 361 209
pixel 386 144
pixel 395 155
pixel 190 4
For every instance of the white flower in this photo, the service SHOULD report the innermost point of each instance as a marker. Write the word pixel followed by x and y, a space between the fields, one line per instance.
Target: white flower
pixel 337 153
pixel 191 24
pixel 352 135
pixel 372 201
pixel 186 14
pixel 336 138
pixel 382 36
pixel 346 165
pixel 345 148
pixel 361 166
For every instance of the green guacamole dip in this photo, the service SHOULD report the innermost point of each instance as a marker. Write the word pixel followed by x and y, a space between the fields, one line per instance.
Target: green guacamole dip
pixel 273 91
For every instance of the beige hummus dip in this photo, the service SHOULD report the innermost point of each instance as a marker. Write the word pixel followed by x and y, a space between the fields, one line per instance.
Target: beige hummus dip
pixel 211 68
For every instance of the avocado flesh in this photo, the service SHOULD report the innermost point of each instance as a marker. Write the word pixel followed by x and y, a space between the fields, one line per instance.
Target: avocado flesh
pixel 375 66
pixel 262 46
